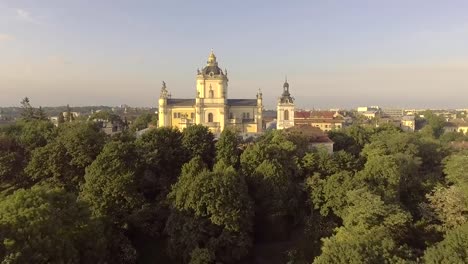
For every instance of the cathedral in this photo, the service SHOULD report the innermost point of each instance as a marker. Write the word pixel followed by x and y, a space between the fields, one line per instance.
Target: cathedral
pixel 211 107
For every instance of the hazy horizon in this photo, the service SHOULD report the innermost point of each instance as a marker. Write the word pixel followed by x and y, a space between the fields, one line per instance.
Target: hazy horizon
pixel 392 54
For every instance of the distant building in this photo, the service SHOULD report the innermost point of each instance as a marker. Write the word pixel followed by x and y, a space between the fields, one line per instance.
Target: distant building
pixel 324 120
pixel 457 125
pixel 368 108
pixel 74 114
pixel 369 114
pixel 211 106
pixel 393 112
pixel 408 123
pixel 285 109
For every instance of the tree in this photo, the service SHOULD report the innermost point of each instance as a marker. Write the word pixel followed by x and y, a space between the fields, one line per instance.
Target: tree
pixel 434 125
pixel 32 134
pixel 453 249
pixel 111 187
pixel 199 141
pixel 372 232
pixel 12 159
pixel 227 148
pixel 210 209
pixel 40 114
pixel 272 171
pixel 27 111
pixel 450 205
pixel 142 121
pixel 456 169
pixel 162 155
pixel 330 194
pixel 47 225
pixel 61 118
pixel 69 114
pixel 63 161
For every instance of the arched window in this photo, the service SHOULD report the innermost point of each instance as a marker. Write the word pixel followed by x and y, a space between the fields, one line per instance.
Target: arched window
pixel 210 117
pixel 211 94
pixel 286 115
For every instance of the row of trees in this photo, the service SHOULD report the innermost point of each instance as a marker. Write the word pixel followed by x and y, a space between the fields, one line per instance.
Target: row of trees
pixel 73 194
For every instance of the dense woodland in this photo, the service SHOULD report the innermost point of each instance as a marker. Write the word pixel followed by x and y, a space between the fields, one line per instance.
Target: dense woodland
pixel 71 194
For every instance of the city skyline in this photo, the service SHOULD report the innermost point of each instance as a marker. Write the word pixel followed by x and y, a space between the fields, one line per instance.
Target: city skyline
pixel 335 54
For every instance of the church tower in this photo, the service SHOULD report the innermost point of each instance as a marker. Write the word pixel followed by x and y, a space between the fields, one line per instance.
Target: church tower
pixel 163 114
pixel 211 97
pixel 285 109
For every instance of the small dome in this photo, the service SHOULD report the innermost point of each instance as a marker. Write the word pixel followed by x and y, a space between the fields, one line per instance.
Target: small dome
pixel 286 84
pixel 211 68
pixel 212 59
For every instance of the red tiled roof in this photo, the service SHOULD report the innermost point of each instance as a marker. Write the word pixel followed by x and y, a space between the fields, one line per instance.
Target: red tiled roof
pixel 315 134
pixel 315 114
pixel 301 114
pixel 322 114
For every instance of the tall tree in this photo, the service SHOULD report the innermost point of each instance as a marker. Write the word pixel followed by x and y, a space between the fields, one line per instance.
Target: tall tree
pixel 211 209
pixel 40 114
pixel 372 232
pixel 162 154
pixel 12 160
pixel 61 118
pixel 68 117
pixel 453 249
pixel 63 161
pixel 111 186
pixel 199 141
pixel 227 148
pixel 27 111
pixel 47 225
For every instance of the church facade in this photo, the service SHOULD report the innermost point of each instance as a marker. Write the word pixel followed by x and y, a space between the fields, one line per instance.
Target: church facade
pixel 211 107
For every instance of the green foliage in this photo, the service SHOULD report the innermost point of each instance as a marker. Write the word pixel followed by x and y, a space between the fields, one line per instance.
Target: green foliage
pixel 450 205
pixel 221 196
pixel 201 256
pixel 453 249
pixel 199 141
pixel 456 169
pixel 40 114
pixel 330 194
pixel 448 137
pixel 104 116
pixel 323 163
pixel 12 158
pixel 227 148
pixel 434 125
pixel 162 155
pixel 63 161
pixel 110 183
pixel 371 232
pixel 210 209
pixel 343 141
pixel 61 118
pixel 27 111
pixel 32 134
pixel 272 171
pixel 142 121
pixel 47 225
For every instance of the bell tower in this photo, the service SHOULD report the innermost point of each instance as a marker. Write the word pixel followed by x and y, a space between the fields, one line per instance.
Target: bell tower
pixel 211 97
pixel 285 109
pixel 163 112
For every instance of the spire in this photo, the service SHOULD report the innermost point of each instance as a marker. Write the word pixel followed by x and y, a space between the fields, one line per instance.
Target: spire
pixel 286 84
pixel 164 92
pixel 212 59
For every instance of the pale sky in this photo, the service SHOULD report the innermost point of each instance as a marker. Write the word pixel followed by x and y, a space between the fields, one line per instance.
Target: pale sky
pixel 335 53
